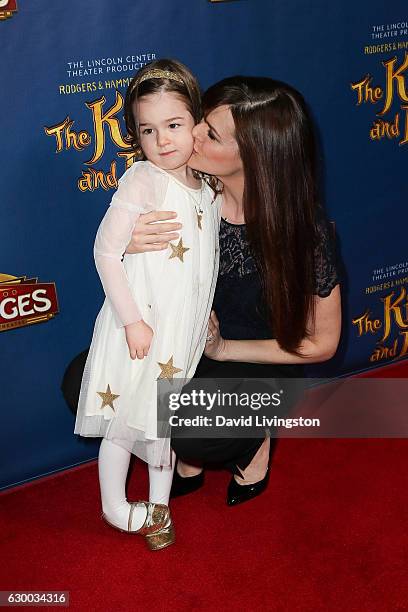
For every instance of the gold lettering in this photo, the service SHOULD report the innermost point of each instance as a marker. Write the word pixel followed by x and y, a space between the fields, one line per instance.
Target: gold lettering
pixel 366 325
pixel 393 350
pixel 65 135
pixel 92 179
pixel 111 176
pixel 405 139
pixel 84 139
pixel 359 88
pixel 392 76
pixel 376 355
pixel 365 93
pixel 108 118
pixel 395 310
pixel 382 128
pixel 404 349
pixel 130 158
pixel 57 131
pixel 385 352
pixel 72 139
pixel 99 179
pixel 375 132
pixel 85 182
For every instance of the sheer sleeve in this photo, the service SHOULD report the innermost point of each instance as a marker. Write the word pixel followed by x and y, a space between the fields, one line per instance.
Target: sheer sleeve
pixel 140 190
pixel 326 268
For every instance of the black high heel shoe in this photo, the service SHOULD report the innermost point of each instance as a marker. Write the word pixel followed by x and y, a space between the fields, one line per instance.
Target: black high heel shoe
pixel 237 494
pixel 183 485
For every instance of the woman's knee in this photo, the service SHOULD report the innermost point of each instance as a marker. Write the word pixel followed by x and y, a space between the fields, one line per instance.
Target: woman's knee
pixel 183 447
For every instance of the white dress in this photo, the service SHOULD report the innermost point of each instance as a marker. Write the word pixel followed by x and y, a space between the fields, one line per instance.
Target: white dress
pixel 172 290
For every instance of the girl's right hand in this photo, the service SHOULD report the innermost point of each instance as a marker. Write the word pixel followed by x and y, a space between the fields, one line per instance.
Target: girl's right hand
pixel 138 337
pixel 148 235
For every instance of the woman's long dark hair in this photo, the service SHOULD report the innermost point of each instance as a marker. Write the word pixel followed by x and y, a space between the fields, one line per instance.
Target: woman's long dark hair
pixel 276 143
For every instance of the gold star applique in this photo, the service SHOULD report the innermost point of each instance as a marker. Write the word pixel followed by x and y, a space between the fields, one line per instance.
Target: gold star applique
pixel 107 398
pixel 199 217
pixel 168 370
pixel 178 250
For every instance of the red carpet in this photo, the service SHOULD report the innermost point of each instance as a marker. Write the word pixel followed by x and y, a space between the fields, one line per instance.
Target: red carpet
pixel 330 533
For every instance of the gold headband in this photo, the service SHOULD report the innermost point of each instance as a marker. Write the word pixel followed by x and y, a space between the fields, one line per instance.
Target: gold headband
pixel 156 73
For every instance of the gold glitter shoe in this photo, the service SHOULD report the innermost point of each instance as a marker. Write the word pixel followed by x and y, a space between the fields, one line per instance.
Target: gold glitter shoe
pixel 157 517
pixel 163 538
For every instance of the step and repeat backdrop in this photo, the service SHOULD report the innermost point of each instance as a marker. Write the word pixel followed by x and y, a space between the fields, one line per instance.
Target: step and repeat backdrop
pixel 64 69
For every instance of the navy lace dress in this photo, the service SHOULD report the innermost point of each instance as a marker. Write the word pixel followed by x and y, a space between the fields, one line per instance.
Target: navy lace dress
pixel 239 306
pixel 238 301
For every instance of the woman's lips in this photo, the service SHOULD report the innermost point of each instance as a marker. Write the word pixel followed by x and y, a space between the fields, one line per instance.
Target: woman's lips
pixel 167 153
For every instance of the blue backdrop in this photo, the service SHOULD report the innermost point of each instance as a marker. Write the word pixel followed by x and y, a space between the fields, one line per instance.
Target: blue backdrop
pixel 58 57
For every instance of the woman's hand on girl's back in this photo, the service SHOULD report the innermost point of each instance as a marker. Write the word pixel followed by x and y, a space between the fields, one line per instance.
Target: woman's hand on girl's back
pixel 138 337
pixel 149 235
pixel 215 345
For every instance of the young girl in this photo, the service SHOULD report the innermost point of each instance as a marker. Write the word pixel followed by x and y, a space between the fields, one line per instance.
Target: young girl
pixel 153 324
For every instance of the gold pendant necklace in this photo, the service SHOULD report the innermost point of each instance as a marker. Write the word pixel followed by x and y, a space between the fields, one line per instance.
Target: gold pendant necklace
pixel 198 206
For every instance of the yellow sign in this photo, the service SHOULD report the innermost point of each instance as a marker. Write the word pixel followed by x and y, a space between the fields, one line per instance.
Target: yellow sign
pixel 394 319
pixel 103 121
pixel 395 87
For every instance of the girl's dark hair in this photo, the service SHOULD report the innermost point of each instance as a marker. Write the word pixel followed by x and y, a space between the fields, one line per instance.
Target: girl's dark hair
pixel 188 90
pixel 276 143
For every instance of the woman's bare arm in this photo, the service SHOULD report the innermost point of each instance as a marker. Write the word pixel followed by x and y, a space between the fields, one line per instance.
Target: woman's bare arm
pixel 320 346
pixel 149 235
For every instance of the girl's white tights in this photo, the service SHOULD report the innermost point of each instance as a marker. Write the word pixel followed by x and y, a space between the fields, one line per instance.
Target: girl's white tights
pixel 113 466
pixel 160 479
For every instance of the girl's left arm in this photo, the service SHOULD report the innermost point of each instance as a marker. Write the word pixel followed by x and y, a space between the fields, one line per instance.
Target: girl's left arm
pixel 320 345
